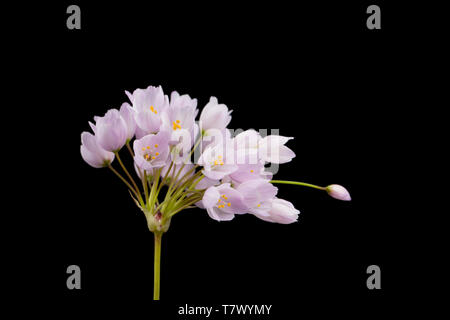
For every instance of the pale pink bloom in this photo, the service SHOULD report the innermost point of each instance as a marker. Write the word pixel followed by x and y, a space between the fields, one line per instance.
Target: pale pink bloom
pixel 258 195
pixel 338 192
pixel 92 153
pixel 152 151
pixel 214 162
pixel 269 149
pixel 111 131
pixel 246 172
pixel 248 139
pixel 179 117
pixel 148 104
pixel 127 113
pixel 214 116
pixel 281 211
pixel 223 202
pixel 272 149
pixel 206 182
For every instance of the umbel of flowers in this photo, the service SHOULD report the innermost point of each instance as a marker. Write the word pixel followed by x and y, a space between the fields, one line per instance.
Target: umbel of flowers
pixel 228 176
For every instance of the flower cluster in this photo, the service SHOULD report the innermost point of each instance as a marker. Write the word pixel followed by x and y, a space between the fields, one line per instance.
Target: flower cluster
pixel 227 177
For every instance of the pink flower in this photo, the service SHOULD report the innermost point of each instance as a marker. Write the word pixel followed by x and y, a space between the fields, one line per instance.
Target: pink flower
pixel 179 117
pixel 258 195
pixel 214 162
pixel 281 211
pixel 214 116
pixel 127 113
pixel 272 149
pixel 148 104
pixel 152 151
pixel 111 131
pixel 223 202
pixel 338 192
pixel 92 153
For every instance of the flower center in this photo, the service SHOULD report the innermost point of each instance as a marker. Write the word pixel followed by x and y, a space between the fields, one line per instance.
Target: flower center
pixel 176 125
pixel 153 110
pixel 150 155
pixel 218 161
pixel 221 203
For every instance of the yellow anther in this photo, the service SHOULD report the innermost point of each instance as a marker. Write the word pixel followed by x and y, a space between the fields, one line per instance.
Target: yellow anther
pixel 251 171
pixel 215 162
pixel 143 149
pixel 153 158
pixel 156 153
pixel 224 196
pixel 259 205
pixel 156 146
pixel 148 147
pixel 229 204
pixel 219 157
pixel 176 125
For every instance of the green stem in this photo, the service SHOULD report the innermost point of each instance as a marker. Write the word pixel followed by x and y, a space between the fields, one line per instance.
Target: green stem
pixel 123 179
pixel 298 184
pixel 157 266
pixel 128 175
pixel 144 185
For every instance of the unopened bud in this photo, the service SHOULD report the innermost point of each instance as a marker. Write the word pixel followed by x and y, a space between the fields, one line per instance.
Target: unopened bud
pixel 338 192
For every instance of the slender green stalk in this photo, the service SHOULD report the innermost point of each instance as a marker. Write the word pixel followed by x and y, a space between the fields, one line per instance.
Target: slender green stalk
pixel 298 184
pixel 144 185
pixel 157 266
pixel 128 174
pixel 195 146
pixel 129 149
pixel 123 179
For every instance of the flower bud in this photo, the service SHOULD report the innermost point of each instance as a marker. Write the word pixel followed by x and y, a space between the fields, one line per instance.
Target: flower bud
pixel 338 192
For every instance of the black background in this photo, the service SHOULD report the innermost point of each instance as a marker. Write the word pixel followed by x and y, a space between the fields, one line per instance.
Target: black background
pixel 313 71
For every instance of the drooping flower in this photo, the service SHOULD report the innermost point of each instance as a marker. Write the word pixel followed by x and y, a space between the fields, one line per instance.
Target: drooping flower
pixel 272 149
pixel 281 211
pixel 223 202
pixel 127 113
pixel 92 153
pixel 111 131
pixel 338 192
pixel 214 116
pixel 269 149
pixel 148 105
pixel 258 195
pixel 152 151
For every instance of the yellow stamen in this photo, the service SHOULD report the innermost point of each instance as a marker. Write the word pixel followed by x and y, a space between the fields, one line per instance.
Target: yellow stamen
pixel 229 204
pixel 153 158
pixel 156 146
pixel 259 205
pixel 178 121
pixel 251 171
pixel 157 154
pixel 148 147
pixel 143 149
